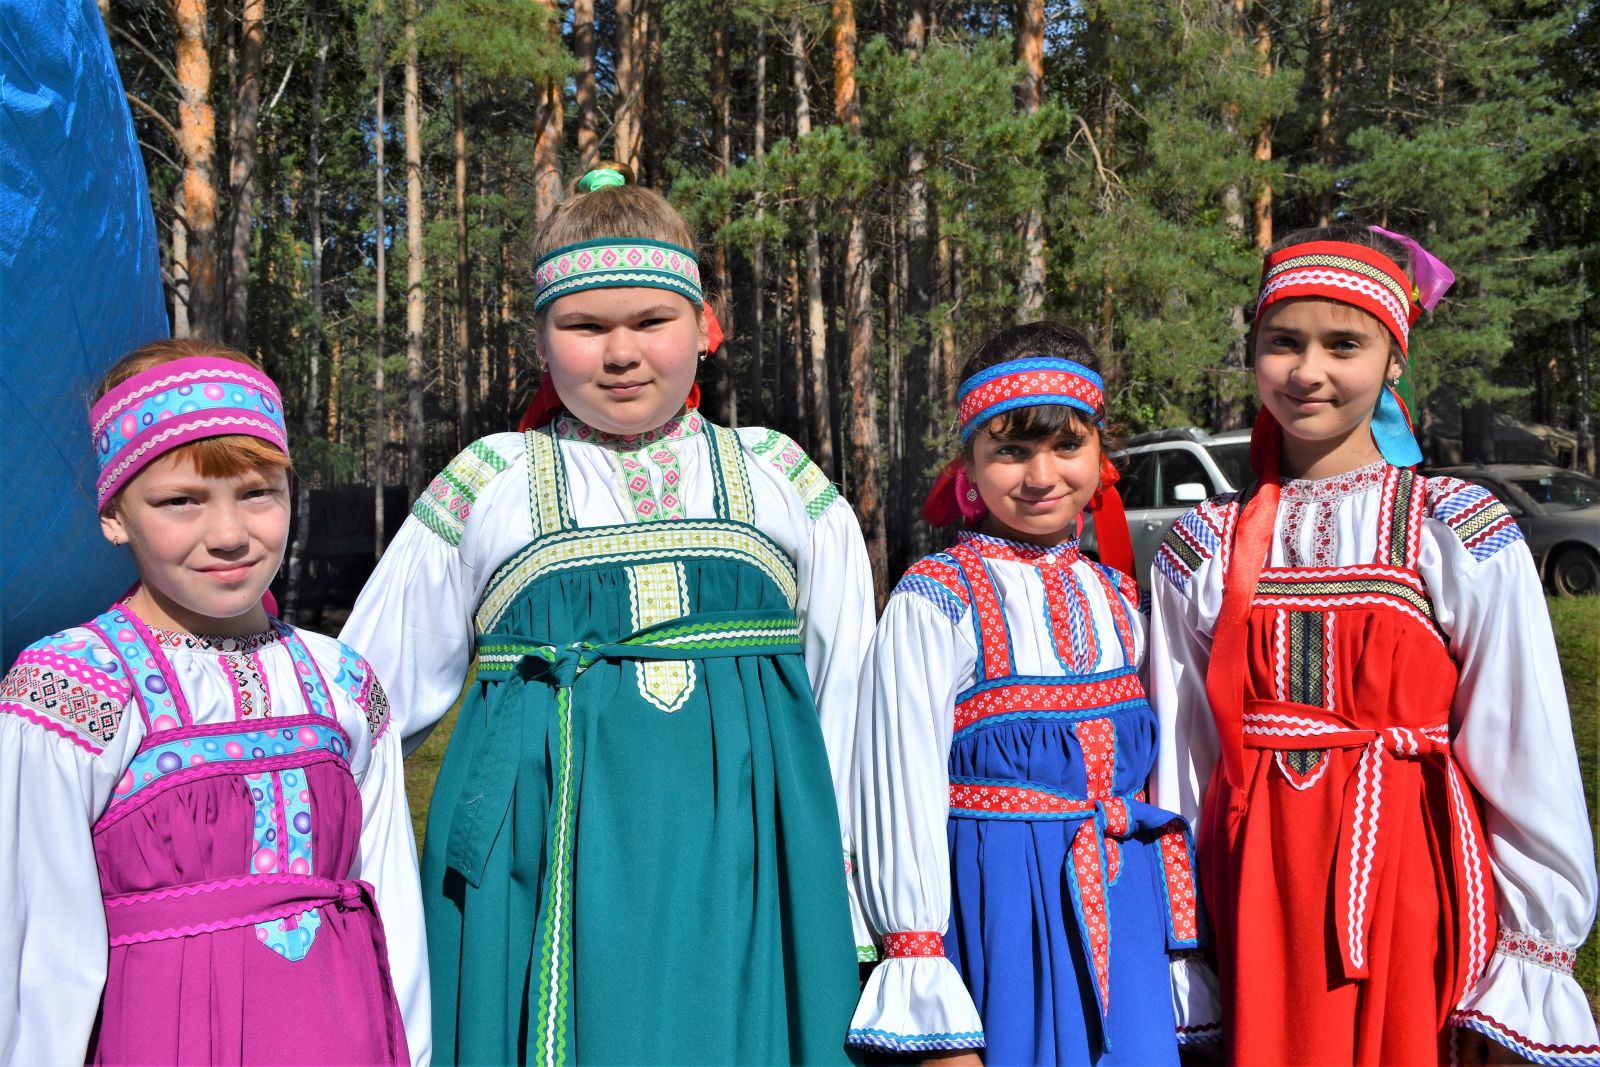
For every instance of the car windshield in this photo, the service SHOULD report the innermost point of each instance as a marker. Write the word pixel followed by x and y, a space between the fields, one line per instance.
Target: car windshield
pixel 1560 491
pixel 1233 460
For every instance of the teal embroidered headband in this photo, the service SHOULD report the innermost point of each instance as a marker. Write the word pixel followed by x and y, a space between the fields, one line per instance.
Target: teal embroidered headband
pixel 617 262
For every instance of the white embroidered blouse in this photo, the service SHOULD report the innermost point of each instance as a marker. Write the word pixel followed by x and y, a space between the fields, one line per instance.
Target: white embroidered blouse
pixel 1510 728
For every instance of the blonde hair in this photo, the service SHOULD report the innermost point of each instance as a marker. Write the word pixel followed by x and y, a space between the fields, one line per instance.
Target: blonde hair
pixel 611 211
pixel 226 456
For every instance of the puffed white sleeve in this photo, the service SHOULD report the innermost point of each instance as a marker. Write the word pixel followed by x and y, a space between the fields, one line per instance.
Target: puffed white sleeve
pixel 1512 737
pixel 914 1000
pixel 53 933
pixel 1184 599
pixel 387 860
pixel 413 619
pixel 835 606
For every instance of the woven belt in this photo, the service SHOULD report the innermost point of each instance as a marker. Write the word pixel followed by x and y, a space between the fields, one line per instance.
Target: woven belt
pixel 1286 726
pixel 1095 859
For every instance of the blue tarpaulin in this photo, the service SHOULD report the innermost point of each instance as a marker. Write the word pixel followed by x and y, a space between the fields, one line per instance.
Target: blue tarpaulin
pixel 80 283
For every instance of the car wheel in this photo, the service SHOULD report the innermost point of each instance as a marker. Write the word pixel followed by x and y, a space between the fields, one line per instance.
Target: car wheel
pixel 1575 572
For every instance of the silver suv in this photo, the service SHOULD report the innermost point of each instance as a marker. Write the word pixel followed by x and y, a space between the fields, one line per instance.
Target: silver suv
pixel 1165 474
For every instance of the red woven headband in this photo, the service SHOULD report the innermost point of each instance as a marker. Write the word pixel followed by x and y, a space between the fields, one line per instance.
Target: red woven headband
pixel 1349 273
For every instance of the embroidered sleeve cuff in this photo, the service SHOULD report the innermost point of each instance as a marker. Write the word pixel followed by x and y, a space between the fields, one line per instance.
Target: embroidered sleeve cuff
pixel 1196 999
pixel 1528 1001
pixel 915 1003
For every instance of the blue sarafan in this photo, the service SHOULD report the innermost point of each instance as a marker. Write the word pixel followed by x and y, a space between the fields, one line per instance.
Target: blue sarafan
pixel 80 283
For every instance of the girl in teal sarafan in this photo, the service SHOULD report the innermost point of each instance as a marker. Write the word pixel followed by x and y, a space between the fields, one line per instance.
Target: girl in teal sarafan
pixel 633 853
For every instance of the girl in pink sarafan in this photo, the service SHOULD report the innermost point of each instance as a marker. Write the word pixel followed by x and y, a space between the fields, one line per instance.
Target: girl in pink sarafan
pixel 203 809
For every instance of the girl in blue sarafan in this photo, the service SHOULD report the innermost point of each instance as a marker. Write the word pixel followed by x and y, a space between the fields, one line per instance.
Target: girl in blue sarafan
pixel 1027 896
pixel 634 848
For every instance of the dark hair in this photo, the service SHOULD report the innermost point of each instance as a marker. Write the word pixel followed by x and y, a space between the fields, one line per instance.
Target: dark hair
pixel 1350 233
pixel 1038 421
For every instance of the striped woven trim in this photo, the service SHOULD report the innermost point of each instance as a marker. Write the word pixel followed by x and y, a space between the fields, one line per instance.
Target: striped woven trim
pixel 882 1039
pixel 450 497
pixel 615 262
pixel 1474 514
pixel 780 450
pixel 684 539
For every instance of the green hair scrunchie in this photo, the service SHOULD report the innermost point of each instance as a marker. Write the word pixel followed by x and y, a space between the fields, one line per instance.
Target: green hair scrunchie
pixel 601 178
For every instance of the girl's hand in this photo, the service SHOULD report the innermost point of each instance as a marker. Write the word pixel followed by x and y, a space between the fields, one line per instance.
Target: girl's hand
pixel 1477 1049
pixel 961 1057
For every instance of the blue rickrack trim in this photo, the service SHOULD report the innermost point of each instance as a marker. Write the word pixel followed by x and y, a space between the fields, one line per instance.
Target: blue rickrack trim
pixel 889 1042
pixel 1001 718
pixel 1580 1056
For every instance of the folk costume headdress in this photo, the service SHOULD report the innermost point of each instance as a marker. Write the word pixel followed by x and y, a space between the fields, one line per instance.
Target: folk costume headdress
pixel 1029 382
pixel 171 404
pixel 1365 278
pixel 611 263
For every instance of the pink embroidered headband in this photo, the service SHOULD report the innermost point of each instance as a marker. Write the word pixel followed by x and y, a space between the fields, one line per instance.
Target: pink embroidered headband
pixel 1020 383
pixel 617 262
pixel 174 403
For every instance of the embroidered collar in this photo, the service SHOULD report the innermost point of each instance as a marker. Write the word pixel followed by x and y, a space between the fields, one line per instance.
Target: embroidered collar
pixel 243 644
pixel 688 424
pixel 999 548
pixel 1336 486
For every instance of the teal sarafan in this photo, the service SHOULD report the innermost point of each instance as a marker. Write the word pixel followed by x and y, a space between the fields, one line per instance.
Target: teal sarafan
pixel 629 847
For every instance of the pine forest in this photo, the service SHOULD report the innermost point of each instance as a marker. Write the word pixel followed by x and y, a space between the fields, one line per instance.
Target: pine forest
pixel 349 190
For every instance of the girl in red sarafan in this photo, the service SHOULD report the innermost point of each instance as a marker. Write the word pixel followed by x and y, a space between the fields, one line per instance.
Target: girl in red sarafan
pixel 1362 708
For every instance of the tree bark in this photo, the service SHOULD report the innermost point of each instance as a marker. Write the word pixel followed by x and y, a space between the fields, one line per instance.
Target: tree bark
pixel 295 580
pixel 242 169
pixel 723 387
pixel 416 473
pixel 1262 207
pixel 1030 55
pixel 547 134
pixel 197 140
pixel 820 415
pixel 758 265
pixel 380 414
pixel 180 265
pixel 917 296
pixel 863 400
pixel 633 21
pixel 463 329
pixel 588 119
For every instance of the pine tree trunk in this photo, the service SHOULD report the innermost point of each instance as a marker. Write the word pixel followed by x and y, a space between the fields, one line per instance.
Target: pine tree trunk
pixel 463 331
pixel 758 265
pixel 242 169
pixel 1030 56
pixel 862 418
pixel 380 414
pixel 197 141
pixel 633 21
pixel 547 133
pixel 1262 208
pixel 723 387
pixel 296 567
pixel 917 296
pixel 1326 86
pixel 180 265
pixel 819 412
pixel 588 118
pixel 416 473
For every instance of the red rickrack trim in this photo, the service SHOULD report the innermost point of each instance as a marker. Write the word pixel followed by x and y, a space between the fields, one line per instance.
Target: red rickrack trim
pixel 1489 1021
pixel 913 943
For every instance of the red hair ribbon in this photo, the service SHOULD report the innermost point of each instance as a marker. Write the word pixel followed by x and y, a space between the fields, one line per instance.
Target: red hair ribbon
pixel 546 403
pixel 952 501
pixel 1252 541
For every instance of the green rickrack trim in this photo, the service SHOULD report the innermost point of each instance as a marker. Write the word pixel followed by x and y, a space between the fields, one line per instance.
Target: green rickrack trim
pixel 816 492
pixel 555 939
pixel 866 954
pixel 719 634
